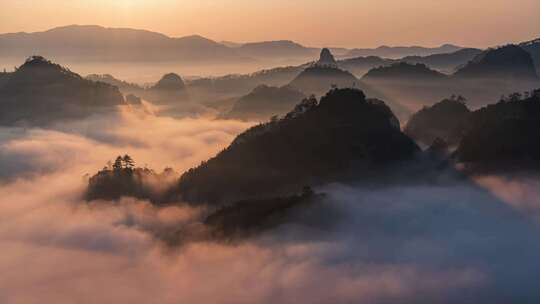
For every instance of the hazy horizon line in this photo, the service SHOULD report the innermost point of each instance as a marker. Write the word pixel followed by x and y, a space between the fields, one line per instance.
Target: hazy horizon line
pixel 222 41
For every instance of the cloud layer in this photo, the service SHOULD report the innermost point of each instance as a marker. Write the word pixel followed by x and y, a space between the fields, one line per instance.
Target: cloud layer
pixel 452 242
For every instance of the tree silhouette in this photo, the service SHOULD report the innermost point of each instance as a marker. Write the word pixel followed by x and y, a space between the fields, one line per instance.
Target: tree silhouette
pixel 129 163
pixel 118 164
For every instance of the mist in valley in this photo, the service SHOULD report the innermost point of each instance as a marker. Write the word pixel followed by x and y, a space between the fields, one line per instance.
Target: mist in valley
pixel 450 240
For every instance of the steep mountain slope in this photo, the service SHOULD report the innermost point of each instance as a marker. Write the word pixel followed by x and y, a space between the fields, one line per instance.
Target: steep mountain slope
pixel 264 102
pixel 39 92
pixel 413 86
pixel 444 120
pixel 361 65
pixel 507 63
pixel 533 48
pixel 318 80
pixel 447 62
pixel 504 135
pixel 323 75
pixel 342 135
pixel 124 86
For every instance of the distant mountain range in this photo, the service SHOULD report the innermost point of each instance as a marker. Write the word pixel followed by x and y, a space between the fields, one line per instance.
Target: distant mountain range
pixel 92 43
pixel 99 44
pixel 447 62
pixel 278 49
pixel 487 76
pixel 402 51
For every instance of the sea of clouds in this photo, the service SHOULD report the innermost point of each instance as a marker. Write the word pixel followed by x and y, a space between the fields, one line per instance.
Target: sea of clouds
pixel 462 241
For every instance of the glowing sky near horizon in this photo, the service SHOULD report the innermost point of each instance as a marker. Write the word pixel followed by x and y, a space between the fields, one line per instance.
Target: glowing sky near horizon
pixel 347 23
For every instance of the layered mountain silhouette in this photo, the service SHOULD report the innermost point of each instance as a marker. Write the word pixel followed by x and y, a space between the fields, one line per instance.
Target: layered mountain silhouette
pixel 323 75
pixel 264 102
pixel 447 62
pixel 91 43
pixel 282 49
pixel 507 63
pixel 402 51
pixel 359 66
pixel 444 120
pixel 232 86
pixel 403 71
pixel 342 135
pixel 40 91
pixel 124 86
pixel 169 90
pixel 489 75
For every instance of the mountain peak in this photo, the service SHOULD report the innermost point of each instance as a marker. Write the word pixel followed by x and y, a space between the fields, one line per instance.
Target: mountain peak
pixel 316 143
pixel 170 81
pixel 39 67
pixel 326 58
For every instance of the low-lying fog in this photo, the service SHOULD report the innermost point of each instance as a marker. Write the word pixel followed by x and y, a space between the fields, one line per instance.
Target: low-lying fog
pixel 148 73
pixel 448 242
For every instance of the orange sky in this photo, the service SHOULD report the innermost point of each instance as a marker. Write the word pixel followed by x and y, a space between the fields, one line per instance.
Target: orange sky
pixel 349 23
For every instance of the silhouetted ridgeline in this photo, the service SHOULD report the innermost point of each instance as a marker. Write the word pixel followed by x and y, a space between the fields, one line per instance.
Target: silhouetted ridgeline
pixel 361 65
pixel 281 49
pixel 206 89
pixel 343 137
pixel 533 47
pixel 169 90
pixel 504 135
pixel 491 74
pixel 444 120
pixel 92 43
pixel 402 51
pixel 317 142
pixel 507 63
pixel 124 86
pixel 447 62
pixel 39 92
pixel 404 71
pixel 264 102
